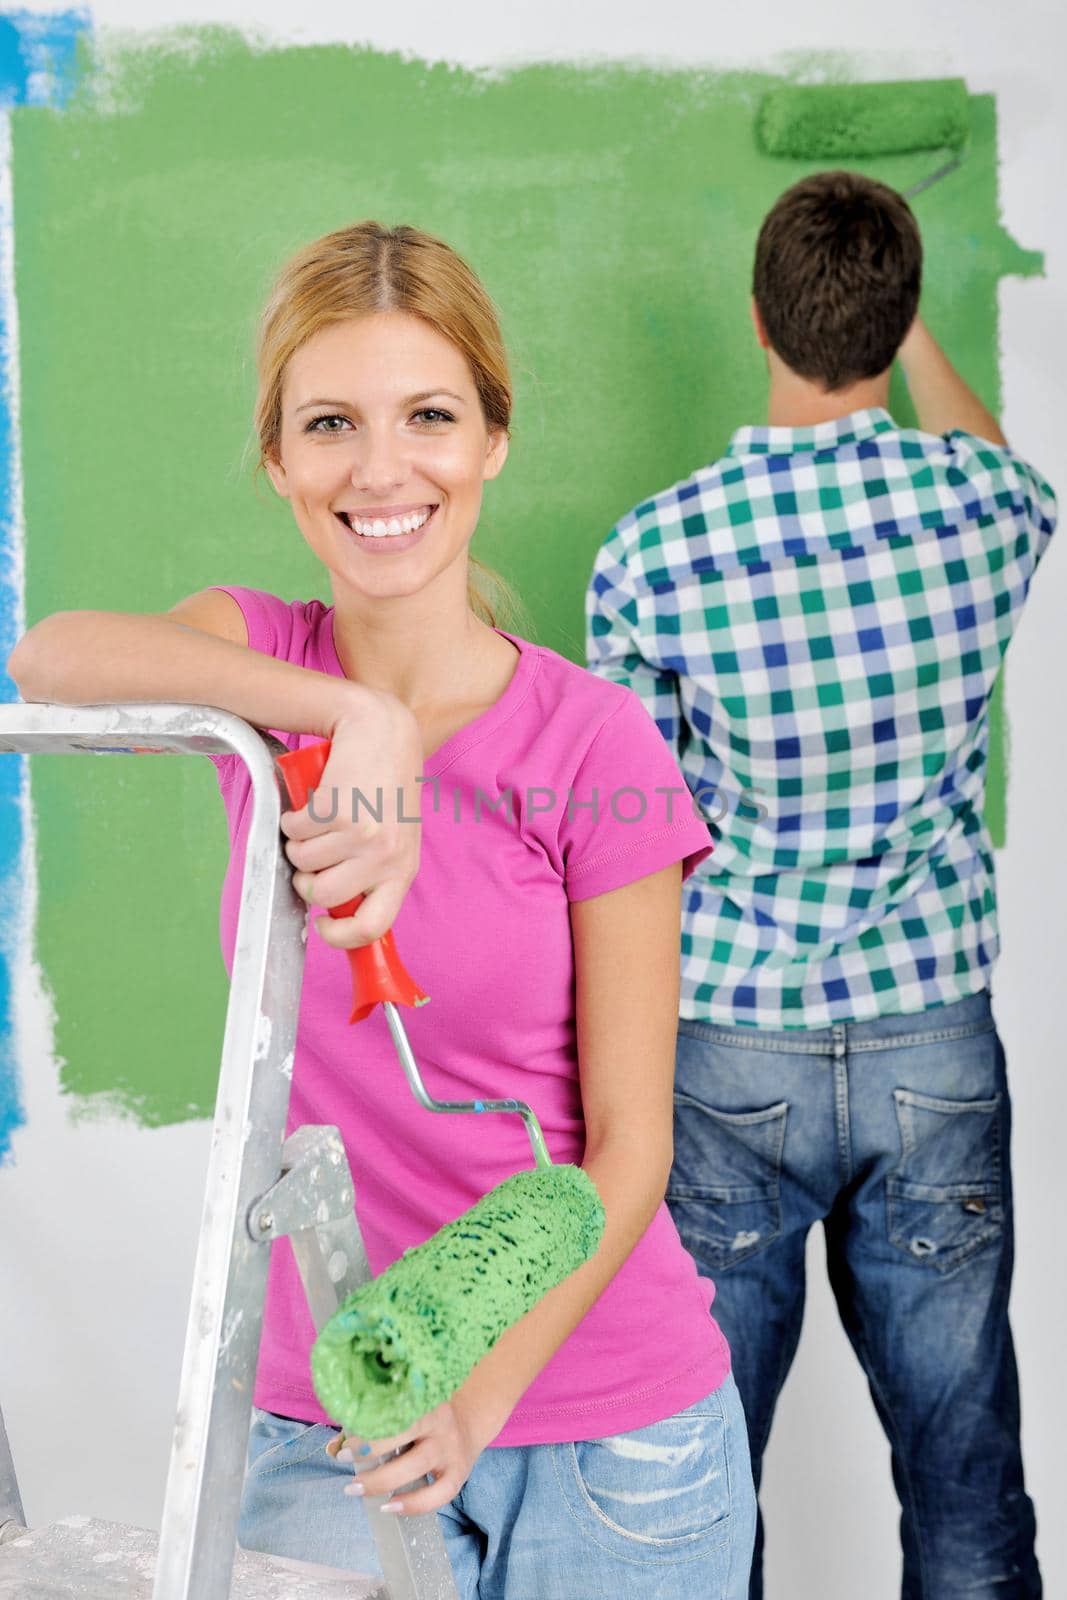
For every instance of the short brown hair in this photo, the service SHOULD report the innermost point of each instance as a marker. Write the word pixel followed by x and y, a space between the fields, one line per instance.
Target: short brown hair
pixel 837 275
pixel 364 268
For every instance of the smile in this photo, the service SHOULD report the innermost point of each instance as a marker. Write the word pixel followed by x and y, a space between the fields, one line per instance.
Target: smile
pixel 389 525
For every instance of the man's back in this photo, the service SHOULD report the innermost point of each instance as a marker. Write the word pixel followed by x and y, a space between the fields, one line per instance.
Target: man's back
pixel 818 619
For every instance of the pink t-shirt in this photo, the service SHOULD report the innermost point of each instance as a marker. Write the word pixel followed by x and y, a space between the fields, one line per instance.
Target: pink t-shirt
pixel 485 931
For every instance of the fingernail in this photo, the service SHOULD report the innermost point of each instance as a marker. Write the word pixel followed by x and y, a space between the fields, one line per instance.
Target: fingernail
pixel 392 1505
pixel 345 1455
pixel 354 1488
pixel 364 1449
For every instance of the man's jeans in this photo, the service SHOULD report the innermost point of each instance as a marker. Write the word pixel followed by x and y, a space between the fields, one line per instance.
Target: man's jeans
pixel 893 1134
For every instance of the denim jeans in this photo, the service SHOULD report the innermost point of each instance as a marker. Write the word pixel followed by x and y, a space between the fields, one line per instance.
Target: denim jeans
pixel 665 1512
pixel 894 1135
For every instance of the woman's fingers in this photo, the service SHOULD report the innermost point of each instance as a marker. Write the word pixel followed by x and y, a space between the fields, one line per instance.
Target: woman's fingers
pixel 360 827
pixel 419 1429
pixel 313 855
pixel 418 1501
pixel 328 874
pixel 397 1472
pixel 373 918
pixel 436 1452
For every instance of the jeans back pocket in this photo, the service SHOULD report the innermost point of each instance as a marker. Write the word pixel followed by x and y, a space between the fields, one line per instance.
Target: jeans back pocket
pixel 944 1197
pixel 725 1185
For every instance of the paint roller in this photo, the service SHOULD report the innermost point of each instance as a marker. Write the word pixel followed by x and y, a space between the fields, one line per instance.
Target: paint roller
pixel 406 1341
pixel 833 122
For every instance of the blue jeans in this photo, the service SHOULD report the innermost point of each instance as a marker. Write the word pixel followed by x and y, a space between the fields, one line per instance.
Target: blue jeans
pixel 894 1135
pixel 661 1513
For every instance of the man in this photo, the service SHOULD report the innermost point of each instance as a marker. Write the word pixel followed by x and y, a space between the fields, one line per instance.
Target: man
pixel 816 622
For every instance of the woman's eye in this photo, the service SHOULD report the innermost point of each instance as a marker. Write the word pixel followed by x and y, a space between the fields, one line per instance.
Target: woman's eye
pixel 432 415
pixel 324 423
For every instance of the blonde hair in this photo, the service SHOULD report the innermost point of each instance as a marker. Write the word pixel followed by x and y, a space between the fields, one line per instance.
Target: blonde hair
pixel 364 268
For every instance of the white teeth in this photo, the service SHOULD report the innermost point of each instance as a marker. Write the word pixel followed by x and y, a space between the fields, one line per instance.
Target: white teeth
pixel 383 528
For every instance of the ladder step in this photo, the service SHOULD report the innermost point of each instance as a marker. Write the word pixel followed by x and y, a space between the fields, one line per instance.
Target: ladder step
pixel 81 1558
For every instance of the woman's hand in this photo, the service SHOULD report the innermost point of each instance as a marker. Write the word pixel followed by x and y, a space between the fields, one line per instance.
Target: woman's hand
pixel 360 832
pixel 445 1443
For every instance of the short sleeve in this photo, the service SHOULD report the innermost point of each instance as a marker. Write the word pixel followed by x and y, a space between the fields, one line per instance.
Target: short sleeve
pixel 999 483
pixel 263 635
pixel 629 812
pixel 616 648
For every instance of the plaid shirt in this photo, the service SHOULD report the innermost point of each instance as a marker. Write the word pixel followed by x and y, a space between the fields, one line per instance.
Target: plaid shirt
pixel 816 622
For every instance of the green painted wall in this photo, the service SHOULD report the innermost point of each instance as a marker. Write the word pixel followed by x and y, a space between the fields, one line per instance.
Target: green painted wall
pixel 612 213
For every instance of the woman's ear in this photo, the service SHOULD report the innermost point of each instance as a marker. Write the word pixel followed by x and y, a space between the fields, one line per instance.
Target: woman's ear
pixel 496 453
pixel 276 474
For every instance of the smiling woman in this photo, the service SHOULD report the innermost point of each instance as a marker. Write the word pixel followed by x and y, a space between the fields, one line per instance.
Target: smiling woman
pixel 547 937
pixel 317 322
pixel 391 463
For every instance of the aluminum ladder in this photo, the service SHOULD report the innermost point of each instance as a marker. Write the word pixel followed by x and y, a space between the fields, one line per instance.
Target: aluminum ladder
pixel 259 1187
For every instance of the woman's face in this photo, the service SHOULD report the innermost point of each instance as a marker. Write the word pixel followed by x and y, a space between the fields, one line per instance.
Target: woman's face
pixel 384 450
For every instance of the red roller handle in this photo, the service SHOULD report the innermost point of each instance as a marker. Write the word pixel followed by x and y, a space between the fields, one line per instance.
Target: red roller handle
pixel 377 970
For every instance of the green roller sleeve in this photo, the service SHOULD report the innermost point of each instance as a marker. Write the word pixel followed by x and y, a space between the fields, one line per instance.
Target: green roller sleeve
pixel 834 121
pixel 407 1340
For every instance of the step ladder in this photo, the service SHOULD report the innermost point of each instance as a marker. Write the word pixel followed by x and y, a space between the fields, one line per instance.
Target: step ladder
pixel 259 1187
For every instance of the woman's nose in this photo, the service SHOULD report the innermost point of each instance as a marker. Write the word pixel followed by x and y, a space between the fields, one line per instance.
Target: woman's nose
pixel 380 465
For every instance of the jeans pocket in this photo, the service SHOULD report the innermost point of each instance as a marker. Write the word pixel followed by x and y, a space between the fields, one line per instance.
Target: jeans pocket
pixel 944 1199
pixel 664 1488
pixel 725 1185
pixel 277 1442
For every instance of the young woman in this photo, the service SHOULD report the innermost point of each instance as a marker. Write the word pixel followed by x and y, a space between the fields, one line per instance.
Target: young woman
pixel 599 1450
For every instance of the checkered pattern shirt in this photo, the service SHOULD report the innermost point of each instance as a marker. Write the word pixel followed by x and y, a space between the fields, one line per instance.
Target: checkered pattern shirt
pixel 816 622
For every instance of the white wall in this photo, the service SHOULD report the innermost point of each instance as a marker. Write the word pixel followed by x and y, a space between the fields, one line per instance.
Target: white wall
pixel 99 1218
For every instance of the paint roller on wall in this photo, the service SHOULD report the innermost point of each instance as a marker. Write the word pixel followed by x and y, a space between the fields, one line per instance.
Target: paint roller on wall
pixel 834 122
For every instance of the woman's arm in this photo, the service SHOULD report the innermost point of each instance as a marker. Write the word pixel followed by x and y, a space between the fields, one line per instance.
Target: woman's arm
pixel 626 958
pixel 198 654
pixel 626 954
pixel 194 655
